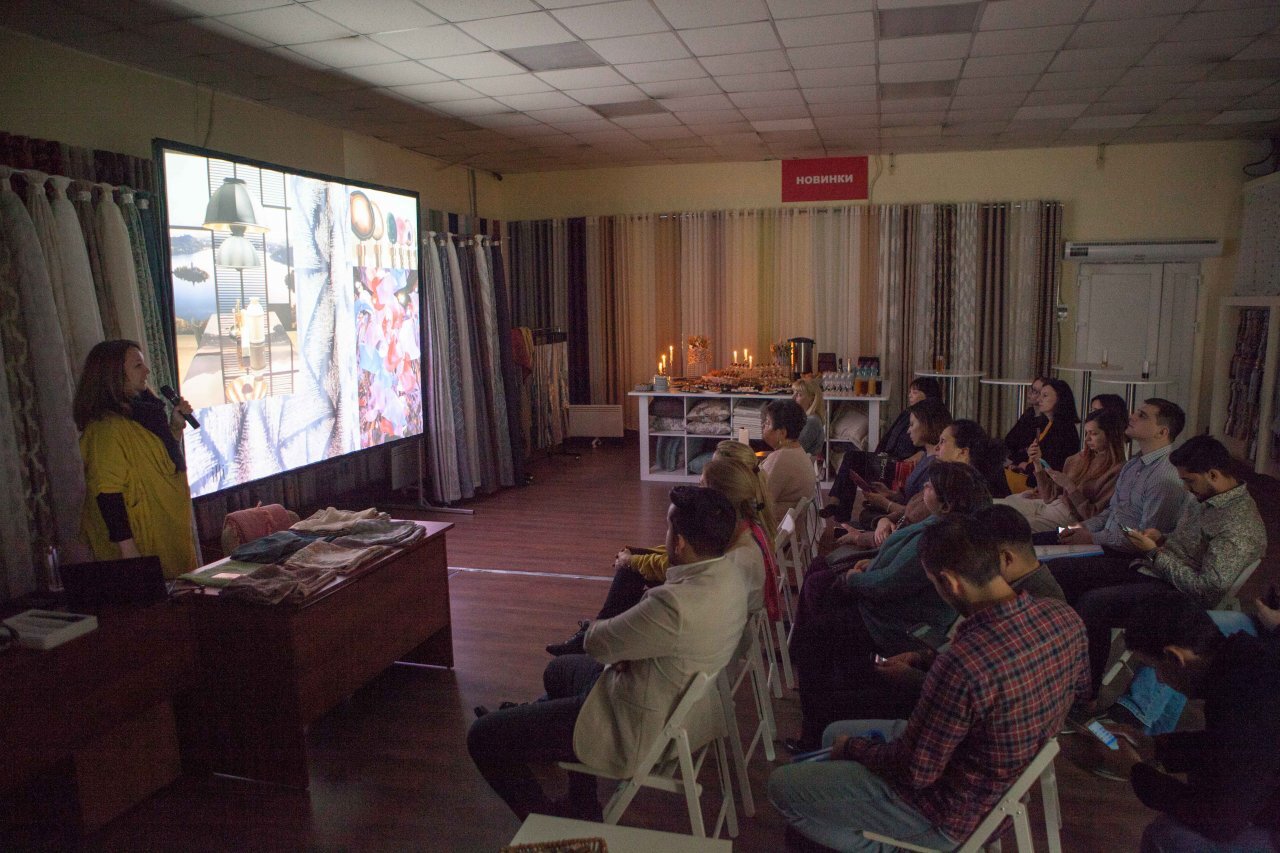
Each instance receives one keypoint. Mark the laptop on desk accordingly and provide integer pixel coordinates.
(91, 587)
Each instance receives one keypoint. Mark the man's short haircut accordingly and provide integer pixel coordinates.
(933, 415)
(955, 543)
(1168, 415)
(1170, 619)
(786, 415)
(705, 518)
(1005, 527)
(1202, 454)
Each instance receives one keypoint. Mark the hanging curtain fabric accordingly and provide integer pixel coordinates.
(442, 449)
(153, 319)
(549, 389)
(50, 443)
(577, 318)
(46, 229)
(511, 378)
(498, 436)
(466, 370)
(84, 321)
(118, 269)
(152, 237)
(17, 566)
(88, 217)
(602, 331)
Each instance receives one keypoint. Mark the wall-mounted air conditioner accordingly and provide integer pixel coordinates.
(1142, 251)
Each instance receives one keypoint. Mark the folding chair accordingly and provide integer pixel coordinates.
(785, 548)
(1230, 601)
(677, 775)
(1012, 805)
(750, 666)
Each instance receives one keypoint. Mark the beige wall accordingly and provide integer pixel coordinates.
(51, 92)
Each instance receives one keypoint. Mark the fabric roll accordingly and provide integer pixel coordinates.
(153, 237)
(464, 374)
(462, 460)
(119, 273)
(84, 321)
(54, 441)
(501, 444)
(511, 372)
(47, 232)
(145, 289)
(473, 371)
(16, 534)
(442, 455)
(88, 217)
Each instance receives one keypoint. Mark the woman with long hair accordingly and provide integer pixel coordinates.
(928, 419)
(1083, 488)
(137, 501)
(807, 392)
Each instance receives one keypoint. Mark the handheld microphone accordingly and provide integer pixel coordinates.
(172, 396)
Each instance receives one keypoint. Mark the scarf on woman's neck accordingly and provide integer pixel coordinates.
(148, 410)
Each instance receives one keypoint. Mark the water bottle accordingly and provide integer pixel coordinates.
(52, 570)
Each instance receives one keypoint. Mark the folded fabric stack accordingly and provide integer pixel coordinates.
(657, 424)
(709, 417)
(667, 407)
(378, 531)
(274, 584)
(329, 556)
(330, 520)
(273, 548)
(849, 423)
(747, 414)
(669, 455)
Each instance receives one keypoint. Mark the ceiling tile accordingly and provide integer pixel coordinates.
(470, 10)
(840, 94)
(994, 42)
(1112, 121)
(347, 52)
(925, 19)
(1094, 58)
(681, 88)
(891, 106)
(833, 56)
(827, 29)
(662, 132)
(397, 74)
(501, 121)
(711, 13)
(650, 48)
(985, 102)
(607, 20)
(650, 120)
(985, 114)
(236, 39)
(766, 113)
(1015, 14)
(538, 101)
(1194, 52)
(470, 107)
(555, 57)
(583, 78)
(224, 7)
(746, 63)
(537, 28)
(912, 119)
(736, 38)
(809, 8)
(924, 48)
(846, 123)
(286, 25)
(1150, 91)
(1155, 74)
(1109, 108)
(972, 128)
(783, 124)
(987, 85)
(657, 72)
(565, 115)
(1080, 79)
(699, 102)
(845, 107)
(1243, 116)
(861, 75)
(1110, 10)
(488, 64)
(1267, 47)
(710, 118)
(1049, 111)
(1189, 105)
(607, 94)
(511, 84)
(383, 16)
(1226, 89)
(429, 42)
(896, 132)
(1226, 24)
(777, 98)
(1114, 33)
(1247, 69)
(757, 82)
(1007, 65)
(1261, 101)
(917, 90)
(431, 92)
(1049, 97)
(910, 72)
(1162, 119)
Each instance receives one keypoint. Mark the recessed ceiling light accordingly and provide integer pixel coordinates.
(920, 89)
(555, 57)
(629, 108)
(927, 20)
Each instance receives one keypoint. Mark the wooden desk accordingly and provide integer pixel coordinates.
(267, 672)
(93, 720)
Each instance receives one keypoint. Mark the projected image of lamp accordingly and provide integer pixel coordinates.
(255, 334)
(231, 209)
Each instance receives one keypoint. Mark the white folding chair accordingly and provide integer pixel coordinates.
(807, 534)
(1230, 601)
(748, 666)
(785, 549)
(1012, 805)
(679, 774)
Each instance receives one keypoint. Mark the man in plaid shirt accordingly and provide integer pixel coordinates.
(989, 703)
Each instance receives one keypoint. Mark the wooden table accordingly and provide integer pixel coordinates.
(267, 672)
(620, 839)
(92, 721)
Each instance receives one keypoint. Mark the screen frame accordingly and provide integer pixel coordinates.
(159, 146)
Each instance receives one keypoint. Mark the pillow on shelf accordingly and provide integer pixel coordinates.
(657, 424)
(709, 410)
(849, 423)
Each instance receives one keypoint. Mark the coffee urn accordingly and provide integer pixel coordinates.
(801, 360)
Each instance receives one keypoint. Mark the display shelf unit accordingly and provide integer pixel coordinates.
(1228, 322)
(648, 438)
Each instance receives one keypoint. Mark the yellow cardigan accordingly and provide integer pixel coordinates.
(120, 455)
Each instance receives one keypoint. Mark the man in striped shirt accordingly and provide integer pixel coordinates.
(988, 705)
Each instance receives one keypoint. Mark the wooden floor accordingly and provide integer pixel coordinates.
(389, 768)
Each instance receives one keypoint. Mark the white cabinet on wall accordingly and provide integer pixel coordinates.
(673, 433)
(1244, 388)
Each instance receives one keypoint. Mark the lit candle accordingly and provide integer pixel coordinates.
(671, 354)
(662, 364)
(751, 361)
(746, 355)
(735, 356)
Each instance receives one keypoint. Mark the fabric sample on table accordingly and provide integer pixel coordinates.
(327, 556)
(272, 548)
(274, 584)
(331, 520)
(221, 574)
(381, 532)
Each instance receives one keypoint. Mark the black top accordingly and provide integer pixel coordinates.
(1062, 441)
(895, 440)
(1023, 433)
(1233, 764)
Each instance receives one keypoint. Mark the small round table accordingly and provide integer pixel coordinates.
(1086, 372)
(1131, 387)
(1014, 403)
(953, 378)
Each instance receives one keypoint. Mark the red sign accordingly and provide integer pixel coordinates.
(824, 179)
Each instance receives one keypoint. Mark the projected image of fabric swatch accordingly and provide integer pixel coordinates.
(388, 354)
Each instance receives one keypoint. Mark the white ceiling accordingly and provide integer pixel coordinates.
(680, 81)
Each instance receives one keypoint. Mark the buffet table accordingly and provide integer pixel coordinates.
(648, 471)
(266, 672)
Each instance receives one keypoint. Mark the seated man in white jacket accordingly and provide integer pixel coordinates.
(607, 707)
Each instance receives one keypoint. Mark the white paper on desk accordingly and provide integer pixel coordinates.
(1057, 552)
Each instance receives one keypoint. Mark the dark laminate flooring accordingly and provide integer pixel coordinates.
(389, 768)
